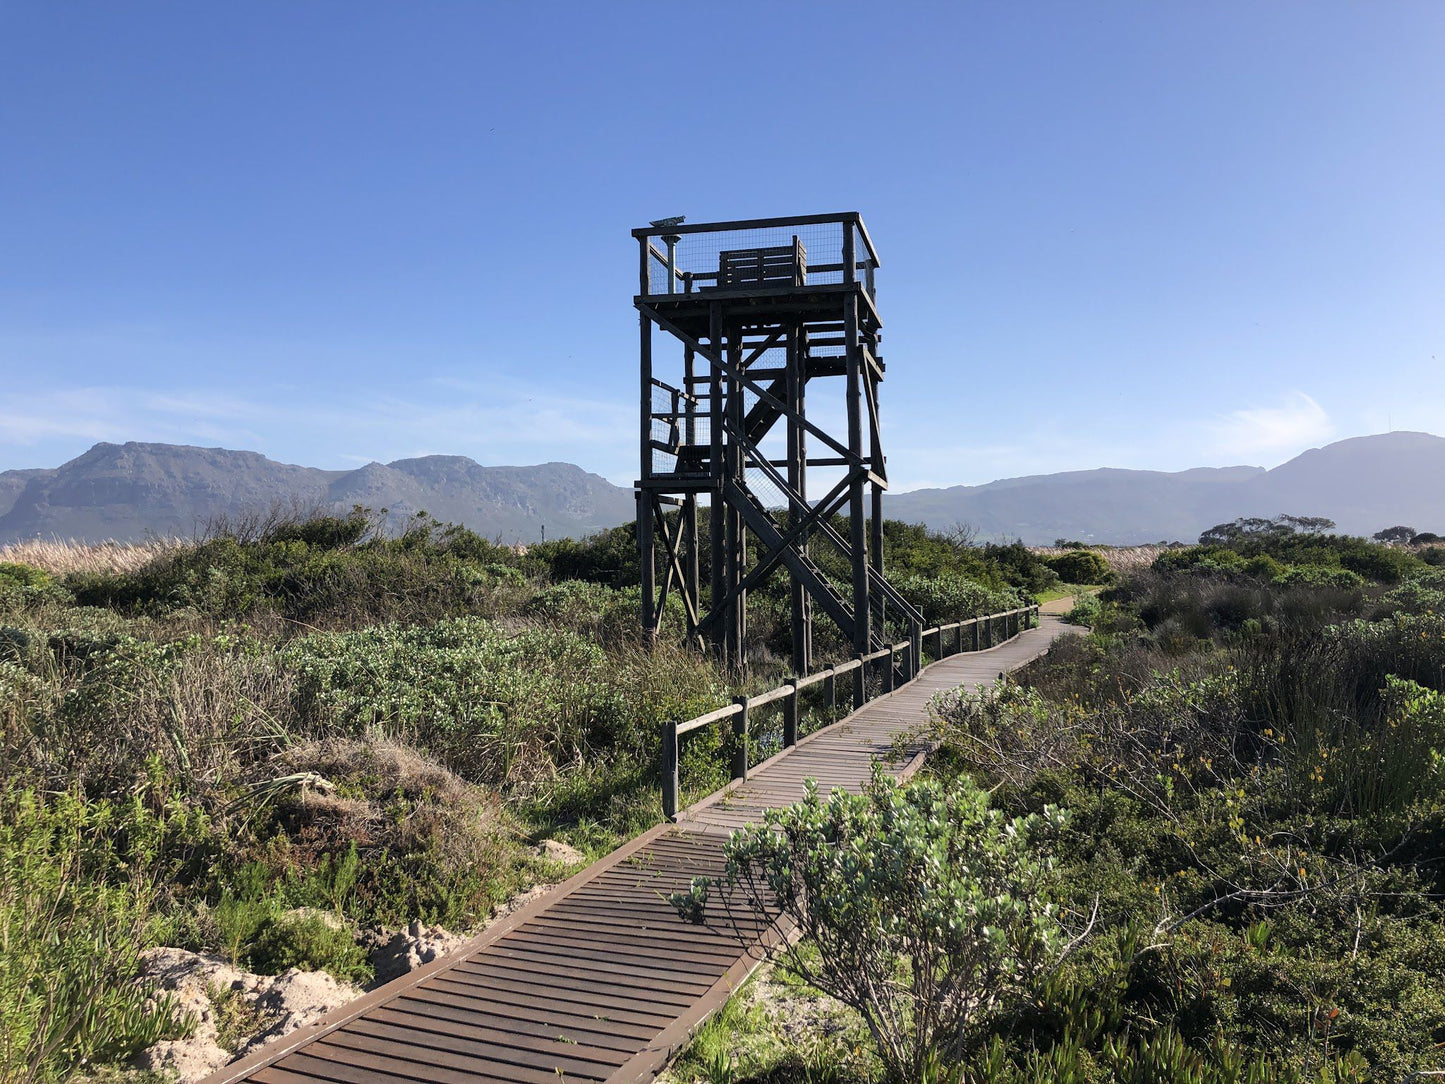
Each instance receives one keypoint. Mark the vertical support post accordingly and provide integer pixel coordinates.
(861, 618)
(888, 671)
(802, 618)
(832, 683)
(740, 739)
(860, 679)
(669, 769)
(736, 532)
(790, 714)
(875, 547)
(691, 567)
(645, 542)
(974, 635)
(716, 468)
(645, 546)
(915, 654)
(672, 239)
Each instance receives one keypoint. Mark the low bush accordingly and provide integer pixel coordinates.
(922, 906)
(945, 599)
(1081, 566)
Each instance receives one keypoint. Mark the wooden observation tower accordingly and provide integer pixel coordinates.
(777, 330)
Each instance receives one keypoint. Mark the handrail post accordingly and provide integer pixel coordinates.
(669, 769)
(832, 684)
(915, 644)
(888, 672)
(860, 684)
(740, 739)
(958, 639)
(790, 714)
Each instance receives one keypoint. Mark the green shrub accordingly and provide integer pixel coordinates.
(311, 943)
(1263, 566)
(925, 907)
(1080, 566)
(1313, 576)
(1261, 807)
(954, 598)
(1085, 611)
(17, 575)
(72, 923)
(1380, 564)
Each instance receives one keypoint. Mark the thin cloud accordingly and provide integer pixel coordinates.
(1297, 423)
(512, 424)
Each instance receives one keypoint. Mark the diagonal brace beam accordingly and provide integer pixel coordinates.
(742, 378)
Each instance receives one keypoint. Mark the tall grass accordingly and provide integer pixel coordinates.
(63, 558)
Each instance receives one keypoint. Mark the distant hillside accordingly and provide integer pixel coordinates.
(1363, 484)
(128, 491)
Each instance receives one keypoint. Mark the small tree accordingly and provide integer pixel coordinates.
(1398, 534)
(925, 905)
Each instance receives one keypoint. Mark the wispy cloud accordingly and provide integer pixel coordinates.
(1296, 423)
(502, 422)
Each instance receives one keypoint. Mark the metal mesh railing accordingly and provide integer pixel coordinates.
(739, 258)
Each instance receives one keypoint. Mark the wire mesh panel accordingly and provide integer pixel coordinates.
(801, 254)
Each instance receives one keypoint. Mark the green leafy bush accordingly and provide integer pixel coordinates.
(925, 907)
(1080, 566)
(954, 598)
(1086, 610)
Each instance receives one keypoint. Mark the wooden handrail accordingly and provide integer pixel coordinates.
(741, 707)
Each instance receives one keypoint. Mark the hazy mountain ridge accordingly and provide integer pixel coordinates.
(1363, 484)
(127, 491)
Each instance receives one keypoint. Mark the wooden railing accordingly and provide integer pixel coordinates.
(983, 633)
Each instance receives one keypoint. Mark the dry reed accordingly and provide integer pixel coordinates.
(61, 558)
(1121, 559)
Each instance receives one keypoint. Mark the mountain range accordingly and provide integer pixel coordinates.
(1363, 484)
(127, 491)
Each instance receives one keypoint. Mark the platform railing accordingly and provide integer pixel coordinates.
(983, 632)
(680, 259)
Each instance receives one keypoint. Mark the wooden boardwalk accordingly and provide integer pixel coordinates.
(598, 979)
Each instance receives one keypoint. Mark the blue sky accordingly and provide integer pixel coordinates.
(1129, 234)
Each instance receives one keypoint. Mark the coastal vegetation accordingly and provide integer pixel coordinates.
(1242, 768)
(274, 742)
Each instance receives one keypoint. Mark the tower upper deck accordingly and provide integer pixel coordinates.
(766, 265)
